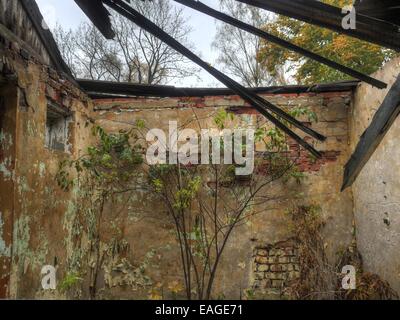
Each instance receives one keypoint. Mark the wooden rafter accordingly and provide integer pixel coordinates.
(310, 11)
(386, 10)
(99, 15)
(196, 5)
(372, 137)
(267, 109)
(315, 12)
(109, 89)
(46, 37)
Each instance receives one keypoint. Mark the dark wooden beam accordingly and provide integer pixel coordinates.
(315, 12)
(99, 15)
(283, 43)
(387, 10)
(108, 89)
(372, 137)
(47, 38)
(267, 109)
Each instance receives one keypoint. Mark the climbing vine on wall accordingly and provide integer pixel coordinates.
(321, 278)
(206, 203)
(107, 171)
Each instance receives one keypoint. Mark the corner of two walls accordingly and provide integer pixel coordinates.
(240, 267)
(376, 191)
(34, 210)
(42, 212)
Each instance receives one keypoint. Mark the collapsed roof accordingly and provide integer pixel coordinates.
(377, 22)
(385, 10)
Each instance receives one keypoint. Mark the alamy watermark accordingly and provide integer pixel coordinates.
(349, 21)
(349, 277)
(49, 280)
(187, 147)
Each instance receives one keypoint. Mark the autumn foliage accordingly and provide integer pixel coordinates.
(359, 55)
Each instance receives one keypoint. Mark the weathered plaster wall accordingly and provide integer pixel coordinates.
(377, 189)
(34, 211)
(8, 108)
(38, 217)
(150, 228)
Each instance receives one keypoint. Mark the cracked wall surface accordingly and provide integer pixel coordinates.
(152, 227)
(32, 205)
(39, 222)
(377, 189)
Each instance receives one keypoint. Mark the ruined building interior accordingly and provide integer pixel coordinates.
(47, 117)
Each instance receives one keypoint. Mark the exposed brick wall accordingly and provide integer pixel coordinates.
(377, 189)
(323, 177)
(40, 212)
(275, 266)
(307, 163)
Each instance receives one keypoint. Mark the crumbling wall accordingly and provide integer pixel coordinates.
(148, 227)
(38, 217)
(34, 211)
(8, 107)
(275, 268)
(377, 189)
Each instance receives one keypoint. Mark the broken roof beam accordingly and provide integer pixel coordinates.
(283, 43)
(108, 89)
(315, 12)
(261, 105)
(387, 10)
(99, 15)
(372, 137)
(46, 37)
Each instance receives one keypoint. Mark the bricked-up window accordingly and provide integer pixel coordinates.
(275, 268)
(57, 127)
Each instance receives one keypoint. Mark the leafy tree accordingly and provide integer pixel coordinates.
(359, 55)
(205, 203)
(97, 178)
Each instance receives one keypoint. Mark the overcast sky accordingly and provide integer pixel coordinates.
(68, 14)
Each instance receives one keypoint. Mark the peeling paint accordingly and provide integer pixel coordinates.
(21, 241)
(32, 128)
(23, 186)
(6, 140)
(7, 174)
(42, 169)
(74, 254)
(22, 250)
(5, 250)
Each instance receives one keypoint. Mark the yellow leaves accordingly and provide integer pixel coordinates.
(158, 185)
(175, 287)
(340, 42)
(154, 295)
(359, 55)
(156, 292)
(338, 3)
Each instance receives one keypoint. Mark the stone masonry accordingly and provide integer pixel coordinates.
(275, 267)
